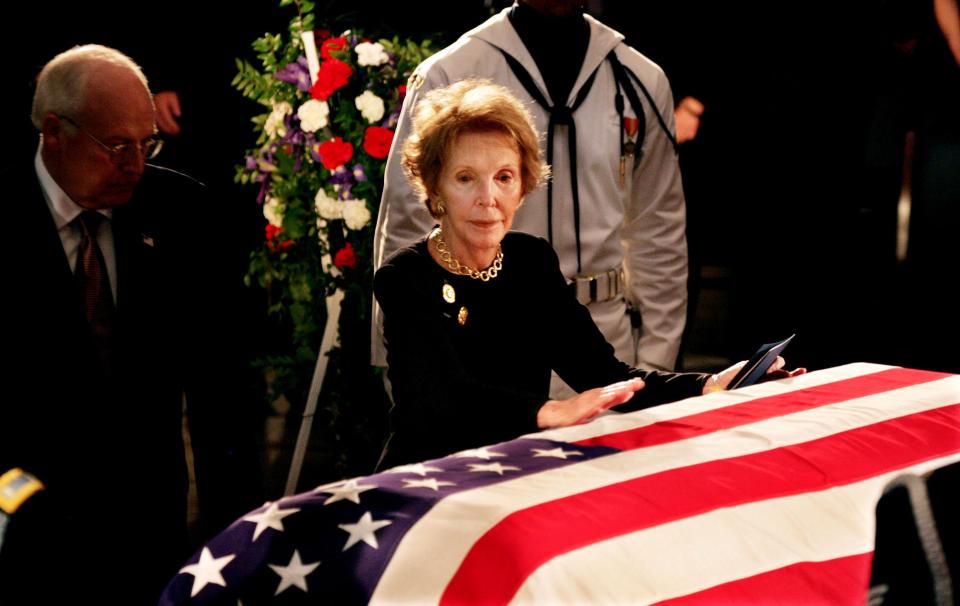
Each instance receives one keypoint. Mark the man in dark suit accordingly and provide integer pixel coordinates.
(114, 317)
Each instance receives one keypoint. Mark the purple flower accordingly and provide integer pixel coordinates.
(342, 181)
(341, 176)
(294, 135)
(392, 119)
(251, 163)
(295, 73)
(358, 173)
(263, 192)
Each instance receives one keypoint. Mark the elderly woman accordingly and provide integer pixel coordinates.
(476, 316)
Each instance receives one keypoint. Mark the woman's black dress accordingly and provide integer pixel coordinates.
(470, 361)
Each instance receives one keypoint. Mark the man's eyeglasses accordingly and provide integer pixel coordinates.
(149, 147)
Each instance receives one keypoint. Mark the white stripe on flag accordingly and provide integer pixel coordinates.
(433, 549)
(718, 547)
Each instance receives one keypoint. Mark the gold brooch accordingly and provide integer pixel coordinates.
(449, 294)
(462, 316)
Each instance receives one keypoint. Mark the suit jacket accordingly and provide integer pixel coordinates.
(110, 449)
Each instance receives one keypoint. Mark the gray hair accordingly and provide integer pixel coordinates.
(62, 84)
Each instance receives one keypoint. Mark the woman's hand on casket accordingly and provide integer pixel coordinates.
(585, 406)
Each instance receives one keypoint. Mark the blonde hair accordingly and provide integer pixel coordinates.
(62, 84)
(467, 106)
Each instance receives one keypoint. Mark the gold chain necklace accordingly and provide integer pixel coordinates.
(464, 270)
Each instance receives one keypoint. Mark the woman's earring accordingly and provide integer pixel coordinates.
(441, 208)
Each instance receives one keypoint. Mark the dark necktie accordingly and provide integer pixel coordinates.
(91, 272)
(559, 115)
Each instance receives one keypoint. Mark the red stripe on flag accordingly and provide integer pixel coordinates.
(500, 561)
(840, 581)
(763, 408)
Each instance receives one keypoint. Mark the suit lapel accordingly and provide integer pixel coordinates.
(44, 258)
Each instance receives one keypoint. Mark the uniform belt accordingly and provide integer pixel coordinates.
(597, 288)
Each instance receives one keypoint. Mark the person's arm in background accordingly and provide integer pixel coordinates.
(947, 13)
(167, 103)
(687, 115)
(653, 235)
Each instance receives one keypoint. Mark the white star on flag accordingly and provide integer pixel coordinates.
(364, 531)
(207, 570)
(427, 483)
(559, 453)
(293, 574)
(272, 517)
(417, 468)
(349, 491)
(495, 467)
(479, 453)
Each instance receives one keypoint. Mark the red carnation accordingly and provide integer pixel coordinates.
(332, 45)
(377, 140)
(335, 152)
(345, 257)
(273, 232)
(332, 76)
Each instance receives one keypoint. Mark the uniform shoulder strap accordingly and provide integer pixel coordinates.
(625, 78)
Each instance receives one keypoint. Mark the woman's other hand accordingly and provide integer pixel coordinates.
(585, 406)
(722, 379)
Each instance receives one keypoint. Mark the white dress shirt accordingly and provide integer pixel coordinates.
(65, 212)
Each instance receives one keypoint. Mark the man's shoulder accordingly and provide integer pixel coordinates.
(467, 56)
(163, 191)
(167, 179)
(170, 204)
(641, 65)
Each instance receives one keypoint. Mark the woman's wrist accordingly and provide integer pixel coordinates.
(712, 384)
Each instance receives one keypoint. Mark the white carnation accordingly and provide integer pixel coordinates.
(322, 233)
(274, 124)
(313, 115)
(370, 105)
(356, 214)
(273, 210)
(371, 53)
(327, 207)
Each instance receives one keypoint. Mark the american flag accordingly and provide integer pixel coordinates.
(730, 497)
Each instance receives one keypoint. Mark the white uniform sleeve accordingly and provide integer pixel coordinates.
(654, 240)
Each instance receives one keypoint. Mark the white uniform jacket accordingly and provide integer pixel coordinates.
(638, 226)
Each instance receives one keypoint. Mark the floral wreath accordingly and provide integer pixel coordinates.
(331, 106)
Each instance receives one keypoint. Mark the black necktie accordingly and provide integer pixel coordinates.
(91, 272)
(559, 115)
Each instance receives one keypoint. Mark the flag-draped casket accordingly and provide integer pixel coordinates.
(730, 497)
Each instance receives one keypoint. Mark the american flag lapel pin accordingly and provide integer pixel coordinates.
(148, 240)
